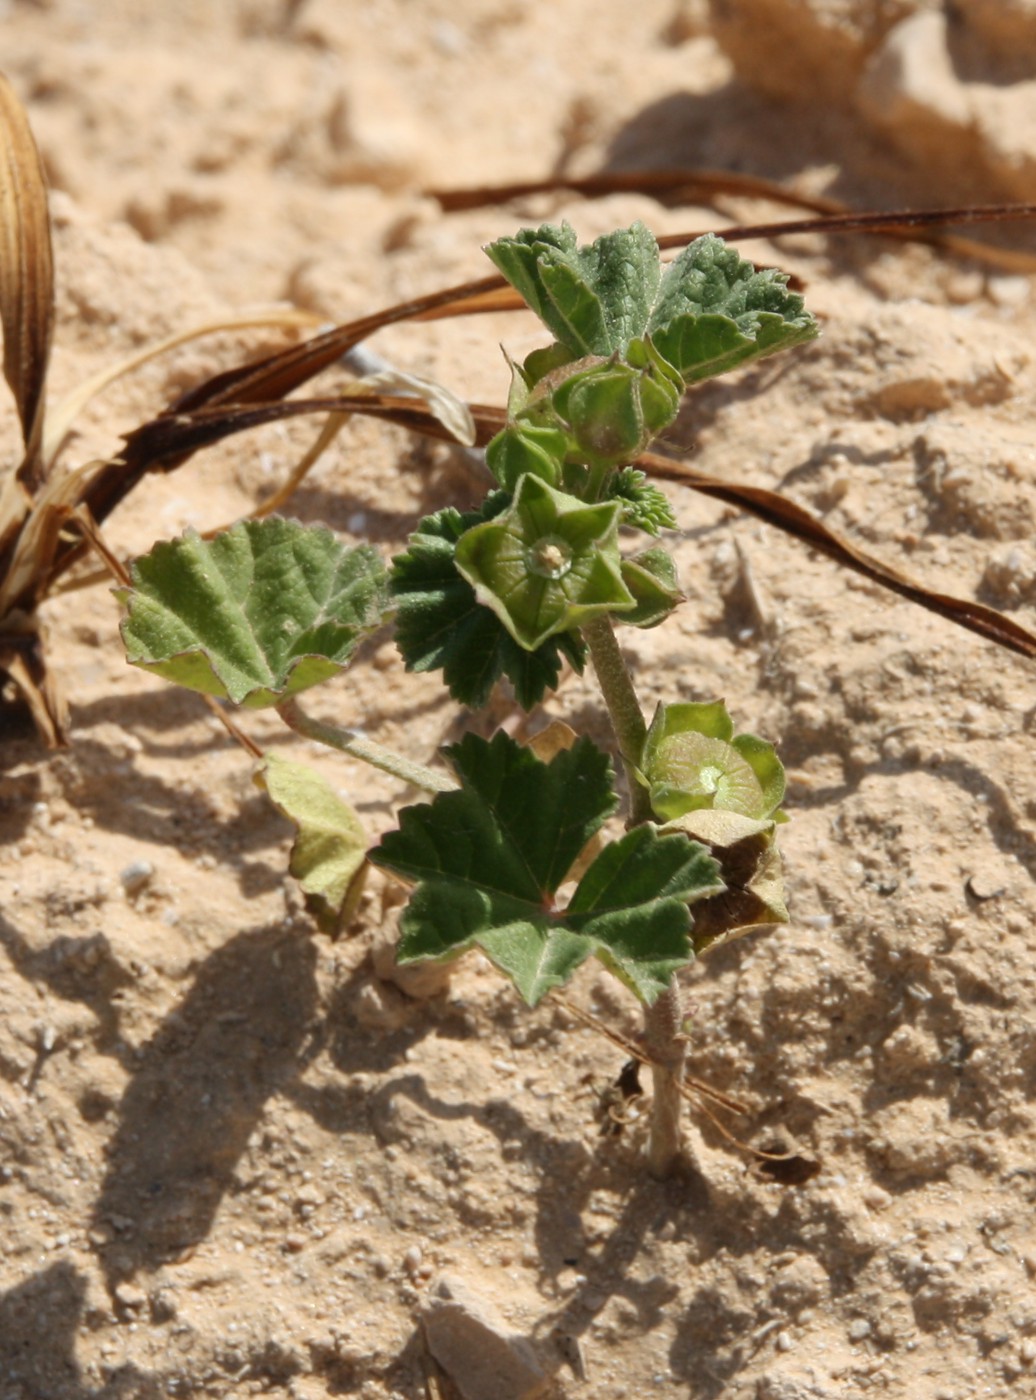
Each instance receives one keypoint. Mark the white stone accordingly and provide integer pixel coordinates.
(477, 1349)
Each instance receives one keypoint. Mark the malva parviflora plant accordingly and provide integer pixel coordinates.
(532, 576)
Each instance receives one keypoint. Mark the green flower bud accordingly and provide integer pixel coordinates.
(651, 578)
(522, 449)
(614, 409)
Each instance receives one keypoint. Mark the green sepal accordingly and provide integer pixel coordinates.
(263, 611)
(692, 760)
(523, 449)
(545, 564)
(537, 366)
(487, 861)
(651, 578)
(613, 409)
(441, 624)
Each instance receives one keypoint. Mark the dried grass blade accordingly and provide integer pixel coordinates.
(26, 277)
(676, 185)
(39, 689)
(168, 438)
(909, 225)
(279, 374)
(61, 418)
(166, 441)
(37, 556)
(691, 1088)
(666, 184)
(784, 515)
(794, 520)
(333, 425)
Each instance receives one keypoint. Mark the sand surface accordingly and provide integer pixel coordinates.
(233, 1159)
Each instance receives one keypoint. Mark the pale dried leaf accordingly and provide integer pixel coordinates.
(451, 412)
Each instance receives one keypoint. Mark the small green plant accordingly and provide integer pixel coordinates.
(530, 578)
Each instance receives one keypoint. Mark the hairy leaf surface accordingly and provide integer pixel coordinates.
(263, 611)
(487, 861)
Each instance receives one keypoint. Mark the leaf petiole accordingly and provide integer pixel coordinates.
(359, 746)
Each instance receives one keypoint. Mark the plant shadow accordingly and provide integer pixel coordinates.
(199, 1089)
(727, 128)
(39, 1319)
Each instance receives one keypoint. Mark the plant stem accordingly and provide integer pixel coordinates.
(348, 741)
(663, 1022)
(623, 708)
(666, 1044)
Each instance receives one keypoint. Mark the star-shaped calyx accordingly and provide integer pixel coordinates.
(547, 564)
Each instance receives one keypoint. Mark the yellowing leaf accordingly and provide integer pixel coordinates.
(329, 857)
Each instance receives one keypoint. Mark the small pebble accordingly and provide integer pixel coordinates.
(136, 876)
(130, 1297)
(859, 1329)
(1009, 291)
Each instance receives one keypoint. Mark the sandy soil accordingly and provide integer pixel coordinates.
(232, 1159)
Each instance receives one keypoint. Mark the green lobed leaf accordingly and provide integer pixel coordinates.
(487, 861)
(329, 857)
(633, 902)
(715, 310)
(488, 857)
(595, 299)
(441, 624)
(708, 311)
(521, 819)
(263, 611)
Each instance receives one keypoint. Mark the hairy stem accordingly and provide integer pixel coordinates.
(663, 1022)
(348, 741)
(665, 1043)
(623, 708)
